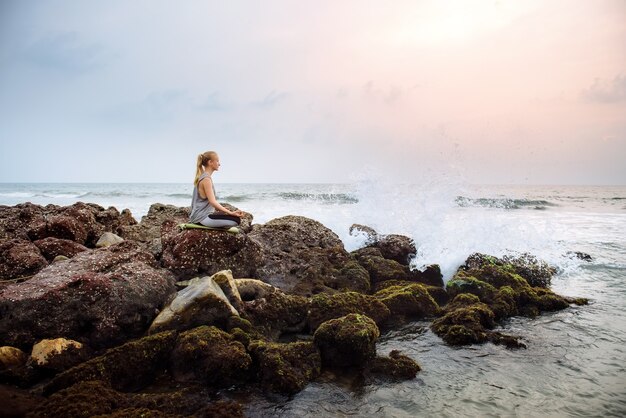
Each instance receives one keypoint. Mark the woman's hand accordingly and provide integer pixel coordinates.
(238, 213)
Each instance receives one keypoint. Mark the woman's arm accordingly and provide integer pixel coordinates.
(207, 186)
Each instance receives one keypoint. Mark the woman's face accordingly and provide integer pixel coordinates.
(214, 163)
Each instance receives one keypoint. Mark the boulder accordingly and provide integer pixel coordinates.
(194, 252)
(53, 247)
(100, 297)
(371, 236)
(302, 256)
(397, 247)
(129, 367)
(347, 341)
(396, 366)
(286, 368)
(270, 310)
(209, 355)
(410, 301)
(107, 239)
(19, 258)
(150, 226)
(326, 306)
(58, 354)
(202, 302)
(11, 357)
(381, 269)
(226, 282)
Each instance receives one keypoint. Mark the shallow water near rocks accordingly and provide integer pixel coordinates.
(575, 363)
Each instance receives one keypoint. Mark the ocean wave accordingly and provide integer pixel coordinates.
(319, 197)
(504, 203)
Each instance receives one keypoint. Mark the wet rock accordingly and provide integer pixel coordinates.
(107, 239)
(536, 272)
(100, 297)
(210, 355)
(397, 247)
(270, 310)
(347, 341)
(59, 258)
(580, 255)
(58, 354)
(202, 302)
(128, 367)
(302, 256)
(438, 294)
(430, 276)
(371, 236)
(286, 368)
(226, 282)
(19, 258)
(325, 306)
(17, 403)
(411, 301)
(196, 252)
(381, 269)
(396, 366)
(53, 247)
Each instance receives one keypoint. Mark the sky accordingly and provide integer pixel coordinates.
(494, 92)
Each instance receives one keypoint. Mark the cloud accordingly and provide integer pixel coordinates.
(212, 103)
(65, 52)
(606, 91)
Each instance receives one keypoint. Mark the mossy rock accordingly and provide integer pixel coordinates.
(355, 275)
(276, 313)
(381, 269)
(463, 282)
(128, 367)
(412, 300)
(326, 306)
(84, 399)
(396, 366)
(347, 341)
(210, 355)
(286, 368)
(464, 324)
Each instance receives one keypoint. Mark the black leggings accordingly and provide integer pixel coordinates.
(220, 220)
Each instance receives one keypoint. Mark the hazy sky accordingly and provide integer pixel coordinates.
(290, 91)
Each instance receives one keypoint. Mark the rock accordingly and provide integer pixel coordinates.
(371, 236)
(128, 367)
(19, 258)
(302, 256)
(58, 354)
(396, 366)
(438, 294)
(107, 239)
(286, 368)
(347, 341)
(270, 310)
(330, 306)
(150, 226)
(17, 403)
(211, 356)
(100, 297)
(381, 269)
(59, 258)
(80, 222)
(225, 281)
(53, 247)
(411, 301)
(196, 252)
(537, 273)
(430, 276)
(580, 255)
(11, 357)
(202, 302)
(397, 247)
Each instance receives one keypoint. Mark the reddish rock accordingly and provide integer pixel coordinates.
(397, 247)
(197, 252)
(19, 258)
(302, 256)
(150, 226)
(101, 297)
(51, 247)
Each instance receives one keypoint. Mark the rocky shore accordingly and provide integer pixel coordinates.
(103, 316)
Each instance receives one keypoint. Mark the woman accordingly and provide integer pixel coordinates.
(205, 209)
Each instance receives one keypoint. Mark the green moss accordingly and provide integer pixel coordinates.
(412, 300)
(354, 277)
(210, 355)
(127, 367)
(325, 306)
(463, 282)
(277, 313)
(396, 367)
(347, 341)
(285, 368)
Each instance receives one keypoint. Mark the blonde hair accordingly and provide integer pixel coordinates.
(203, 160)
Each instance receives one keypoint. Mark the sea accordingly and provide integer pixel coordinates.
(575, 363)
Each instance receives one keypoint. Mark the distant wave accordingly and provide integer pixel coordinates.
(504, 203)
(319, 197)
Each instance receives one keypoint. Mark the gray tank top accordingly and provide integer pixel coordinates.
(200, 208)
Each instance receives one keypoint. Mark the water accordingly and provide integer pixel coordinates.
(575, 364)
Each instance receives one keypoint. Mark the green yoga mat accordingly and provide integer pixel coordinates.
(231, 230)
